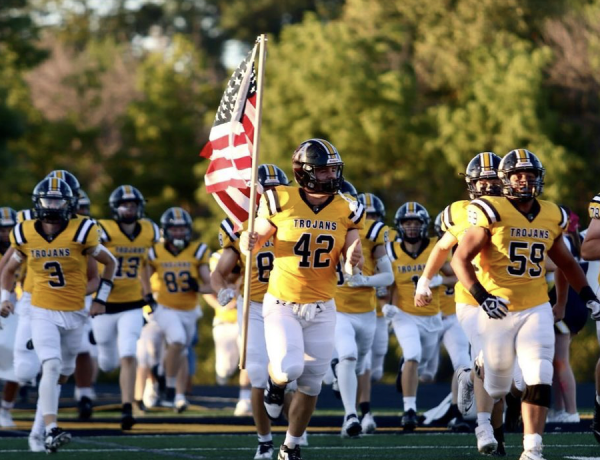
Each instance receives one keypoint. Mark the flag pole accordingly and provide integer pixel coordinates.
(262, 52)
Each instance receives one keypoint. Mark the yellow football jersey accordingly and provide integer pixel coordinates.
(131, 254)
(513, 265)
(263, 260)
(393, 235)
(447, 302)
(308, 242)
(56, 266)
(222, 314)
(362, 299)
(175, 272)
(407, 270)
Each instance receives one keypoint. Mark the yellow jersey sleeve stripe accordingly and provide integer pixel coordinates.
(156, 237)
(488, 210)
(374, 231)
(227, 227)
(200, 251)
(19, 237)
(104, 236)
(151, 254)
(391, 252)
(355, 216)
(273, 202)
(83, 231)
(447, 221)
(596, 199)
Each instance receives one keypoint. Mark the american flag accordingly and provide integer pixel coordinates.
(230, 144)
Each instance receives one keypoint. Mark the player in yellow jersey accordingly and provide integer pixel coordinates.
(373, 367)
(8, 329)
(416, 328)
(182, 268)
(84, 365)
(128, 237)
(312, 227)
(590, 250)
(356, 317)
(56, 247)
(257, 361)
(481, 177)
(514, 235)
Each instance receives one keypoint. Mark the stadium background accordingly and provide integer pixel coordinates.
(125, 91)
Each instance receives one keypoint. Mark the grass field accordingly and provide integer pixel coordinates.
(447, 446)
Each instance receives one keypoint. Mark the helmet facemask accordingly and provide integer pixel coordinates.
(412, 230)
(311, 181)
(53, 210)
(178, 235)
(523, 190)
(127, 213)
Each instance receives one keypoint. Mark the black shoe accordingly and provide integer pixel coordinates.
(458, 425)
(500, 450)
(139, 406)
(264, 450)
(512, 417)
(55, 439)
(286, 453)
(85, 408)
(127, 420)
(334, 385)
(409, 420)
(596, 421)
(273, 402)
(399, 376)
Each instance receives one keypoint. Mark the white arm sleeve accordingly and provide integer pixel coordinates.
(384, 276)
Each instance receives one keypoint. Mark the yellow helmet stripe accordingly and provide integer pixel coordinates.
(5, 213)
(411, 207)
(59, 174)
(127, 190)
(271, 171)
(330, 148)
(54, 183)
(177, 212)
(523, 155)
(368, 201)
(486, 160)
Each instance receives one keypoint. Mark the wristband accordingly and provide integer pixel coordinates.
(479, 292)
(4, 295)
(103, 291)
(586, 294)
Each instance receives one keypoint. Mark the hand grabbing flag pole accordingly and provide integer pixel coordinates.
(262, 55)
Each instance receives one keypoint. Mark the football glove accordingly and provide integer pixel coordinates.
(389, 311)
(495, 307)
(225, 296)
(423, 287)
(307, 311)
(357, 280)
(594, 307)
(381, 292)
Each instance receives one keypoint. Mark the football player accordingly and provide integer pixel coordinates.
(515, 234)
(590, 250)
(84, 365)
(416, 328)
(356, 319)
(481, 177)
(374, 360)
(128, 237)
(311, 227)
(233, 259)
(8, 219)
(56, 247)
(182, 268)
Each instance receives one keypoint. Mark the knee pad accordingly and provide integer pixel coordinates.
(107, 363)
(538, 372)
(26, 370)
(310, 384)
(290, 373)
(538, 395)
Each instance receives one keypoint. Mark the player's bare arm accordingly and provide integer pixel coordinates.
(475, 239)
(204, 276)
(92, 276)
(435, 262)
(590, 249)
(103, 256)
(7, 281)
(353, 249)
(562, 292)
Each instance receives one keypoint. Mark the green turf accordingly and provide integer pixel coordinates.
(380, 446)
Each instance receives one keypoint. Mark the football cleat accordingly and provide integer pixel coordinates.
(368, 423)
(85, 408)
(36, 443)
(565, 417)
(127, 420)
(264, 450)
(6, 420)
(243, 408)
(273, 400)
(458, 425)
(512, 417)
(465, 396)
(352, 427)
(409, 420)
(596, 421)
(285, 453)
(181, 404)
(486, 442)
(56, 439)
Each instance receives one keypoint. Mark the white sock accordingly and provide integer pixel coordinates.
(84, 392)
(6, 405)
(348, 384)
(532, 441)
(37, 429)
(245, 393)
(291, 441)
(171, 382)
(484, 418)
(265, 437)
(410, 402)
